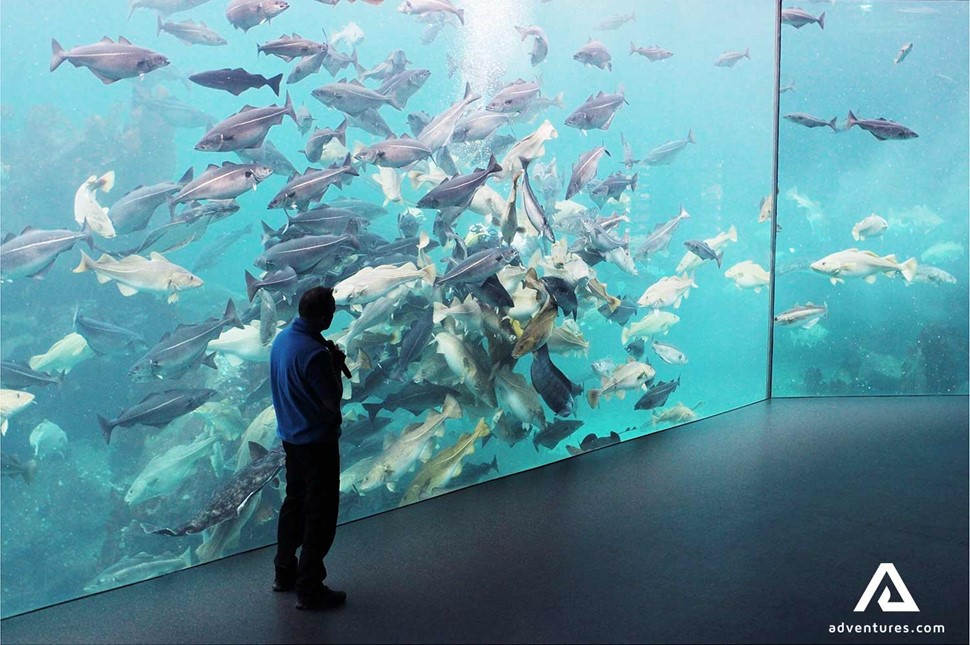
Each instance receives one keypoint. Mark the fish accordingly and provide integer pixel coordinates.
(312, 185)
(680, 413)
(63, 356)
(413, 342)
(632, 375)
(134, 273)
(108, 60)
(247, 344)
(667, 152)
(106, 338)
(540, 44)
(350, 34)
(268, 156)
(405, 84)
(190, 33)
(668, 291)
(370, 283)
(306, 67)
(531, 147)
(622, 314)
(412, 445)
(669, 354)
(657, 395)
(15, 375)
(853, 263)
(584, 170)
(556, 432)
(514, 97)
(12, 402)
(457, 192)
(655, 323)
(246, 14)
(245, 129)
(394, 152)
(183, 349)
(592, 442)
(236, 80)
(416, 398)
(439, 130)
(87, 211)
(810, 121)
(943, 252)
(290, 47)
(731, 58)
(690, 261)
(47, 438)
(652, 53)
(766, 209)
(927, 274)
(881, 129)
(424, 7)
(597, 112)
(803, 316)
(748, 275)
(164, 7)
(612, 187)
(467, 364)
(594, 54)
(871, 226)
(615, 21)
(703, 250)
(568, 339)
(798, 18)
(156, 410)
(320, 137)
(34, 251)
(478, 267)
(281, 280)
(553, 386)
(537, 331)
(659, 239)
(142, 566)
(133, 211)
(305, 254)
(441, 469)
(903, 53)
(11, 466)
(166, 471)
(351, 97)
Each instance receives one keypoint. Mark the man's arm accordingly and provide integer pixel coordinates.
(325, 383)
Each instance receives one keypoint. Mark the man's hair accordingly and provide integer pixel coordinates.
(317, 303)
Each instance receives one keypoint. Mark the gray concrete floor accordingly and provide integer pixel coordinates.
(761, 525)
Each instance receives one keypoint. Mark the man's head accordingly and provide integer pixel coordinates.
(317, 307)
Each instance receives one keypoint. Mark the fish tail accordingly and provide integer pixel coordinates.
(832, 125)
(341, 133)
(372, 410)
(158, 25)
(717, 258)
(850, 121)
(288, 107)
(274, 83)
(633, 48)
(747, 53)
(821, 20)
(908, 269)
(593, 396)
(461, 16)
(59, 55)
(522, 32)
(106, 429)
(690, 136)
(633, 181)
(429, 274)
(230, 316)
(250, 288)
(85, 264)
(494, 464)
(106, 182)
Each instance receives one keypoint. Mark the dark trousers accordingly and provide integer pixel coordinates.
(308, 517)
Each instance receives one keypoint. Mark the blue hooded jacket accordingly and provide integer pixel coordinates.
(306, 386)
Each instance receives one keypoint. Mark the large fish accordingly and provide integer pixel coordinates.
(478, 267)
(798, 18)
(290, 47)
(304, 254)
(63, 356)
(458, 191)
(517, 96)
(413, 342)
(87, 211)
(654, 323)
(405, 84)
(12, 402)
(281, 280)
(438, 132)
(105, 338)
(108, 60)
(319, 139)
(594, 54)
(351, 97)
(236, 81)
(135, 273)
(478, 126)
(597, 112)
(584, 170)
(33, 252)
(667, 152)
(657, 395)
(652, 53)
(245, 129)
(228, 181)
(312, 185)
(881, 129)
(270, 156)
(440, 470)
(190, 33)
(550, 436)
(164, 8)
(533, 209)
(156, 410)
(134, 209)
(245, 14)
(731, 58)
(853, 263)
(14, 375)
(370, 283)
(553, 386)
(142, 566)
(166, 471)
(394, 152)
(540, 46)
(659, 239)
(518, 398)
(425, 7)
(629, 376)
(183, 349)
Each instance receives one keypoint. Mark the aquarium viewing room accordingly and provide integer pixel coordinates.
(485, 321)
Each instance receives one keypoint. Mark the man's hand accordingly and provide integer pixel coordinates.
(338, 357)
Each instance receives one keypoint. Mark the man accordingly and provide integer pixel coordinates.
(305, 380)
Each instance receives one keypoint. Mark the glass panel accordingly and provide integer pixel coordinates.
(893, 319)
(79, 513)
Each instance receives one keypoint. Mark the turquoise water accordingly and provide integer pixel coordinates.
(70, 531)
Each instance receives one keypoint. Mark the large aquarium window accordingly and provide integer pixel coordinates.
(871, 294)
(544, 223)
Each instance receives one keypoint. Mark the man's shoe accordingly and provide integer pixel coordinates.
(282, 584)
(324, 598)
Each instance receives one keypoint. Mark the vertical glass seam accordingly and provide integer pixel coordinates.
(774, 207)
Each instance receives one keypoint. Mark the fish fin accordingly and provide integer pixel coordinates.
(593, 396)
(58, 54)
(104, 79)
(209, 361)
(106, 428)
(123, 288)
(870, 279)
(123, 41)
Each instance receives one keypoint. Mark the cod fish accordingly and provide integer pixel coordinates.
(632, 375)
(653, 324)
(537, 332)
(592, 442)
(552, 385)
(245, 129)
(156, 410)
(108, 60)
(798, 18)
(190, 33)
(667, 152)
(87, 211)
(871, 226)
(135, 273)
(425, 7)
(584, 170)
(183, 349)
(597, 112)
(657, 395)
(165, 472)
(439, 130)
(414, 444)
(748, 275)
(20, 375)
(142, 566)
(134, 209)
(652, 53)
(164, 8)
(810, 121)
(731, 58)
(540, 46)
(63, 356)
(12, 402)
(246, 14)
(230, 497)
(853, 263)
(550, 436)
(520, 400)
(236, 80)
(881, 129)
(370, 283)
(594, 54)
(33, 252)
(805, 316)
(441, 469)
